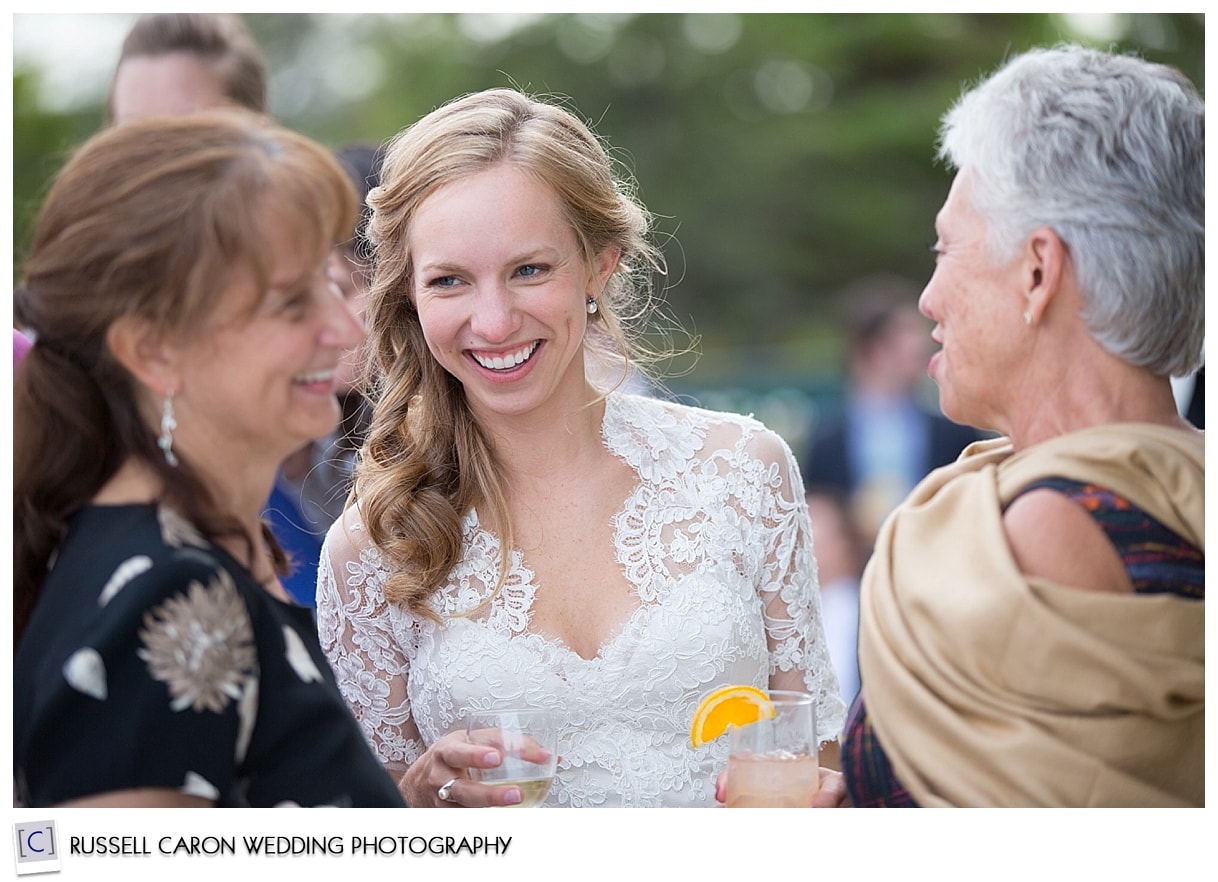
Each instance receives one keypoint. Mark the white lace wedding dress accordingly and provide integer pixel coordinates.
(717, 541)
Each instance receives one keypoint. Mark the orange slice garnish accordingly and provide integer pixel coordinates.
(728, 706)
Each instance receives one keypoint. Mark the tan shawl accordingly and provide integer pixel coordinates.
(987, 687)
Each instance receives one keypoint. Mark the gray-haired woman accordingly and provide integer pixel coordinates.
(1032, 623)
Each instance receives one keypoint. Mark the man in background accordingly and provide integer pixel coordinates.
(886, 437)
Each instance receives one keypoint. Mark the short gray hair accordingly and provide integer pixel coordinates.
(1107, 150)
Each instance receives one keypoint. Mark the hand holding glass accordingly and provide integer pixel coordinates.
(773, 762)
(527, 740)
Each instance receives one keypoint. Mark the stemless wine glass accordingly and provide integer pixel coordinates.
(773, 763)
(527, 739)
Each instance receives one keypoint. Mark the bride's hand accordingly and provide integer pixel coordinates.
(443, 771)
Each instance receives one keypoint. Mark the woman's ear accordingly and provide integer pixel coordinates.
(144, 352)
(603, 266)
(1047, 265)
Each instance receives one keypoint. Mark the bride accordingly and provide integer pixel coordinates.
(524, 532)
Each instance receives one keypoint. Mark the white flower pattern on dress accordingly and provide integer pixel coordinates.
(85, 671)
(196, 785)
(298, 656)
(176, 531)
(247, 716)
(127, 570)
(716, 540)
(201, 645)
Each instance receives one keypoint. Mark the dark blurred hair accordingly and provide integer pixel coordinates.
(869, 307)
(362, 162)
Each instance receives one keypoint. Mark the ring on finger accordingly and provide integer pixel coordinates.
(446, 790)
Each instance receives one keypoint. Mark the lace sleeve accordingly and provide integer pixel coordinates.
(356, 628)
(799, 651)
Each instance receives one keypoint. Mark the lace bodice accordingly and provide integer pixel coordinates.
(716, 540)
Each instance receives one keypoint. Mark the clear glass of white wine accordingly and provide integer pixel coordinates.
(527, 740)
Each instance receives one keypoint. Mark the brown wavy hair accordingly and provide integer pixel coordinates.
(154, 220)
(426, 462)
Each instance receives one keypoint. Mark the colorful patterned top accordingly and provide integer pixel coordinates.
(1158, 562)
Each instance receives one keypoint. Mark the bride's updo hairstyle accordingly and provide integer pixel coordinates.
(426, 463)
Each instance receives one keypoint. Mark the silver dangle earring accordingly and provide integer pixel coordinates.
(168, 424)
(592, 307)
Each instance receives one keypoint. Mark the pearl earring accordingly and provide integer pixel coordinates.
(592, 307)
(1027, 317)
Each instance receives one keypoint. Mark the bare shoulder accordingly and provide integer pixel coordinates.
(1052, 537)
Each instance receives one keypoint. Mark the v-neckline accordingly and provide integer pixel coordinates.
(528, 586)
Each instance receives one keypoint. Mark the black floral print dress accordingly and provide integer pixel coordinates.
(153, 659)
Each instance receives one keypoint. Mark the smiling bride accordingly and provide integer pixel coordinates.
(524, 532)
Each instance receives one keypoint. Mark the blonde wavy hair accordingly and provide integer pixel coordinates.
(426, 462)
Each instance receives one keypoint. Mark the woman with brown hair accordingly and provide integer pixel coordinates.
(186, 339)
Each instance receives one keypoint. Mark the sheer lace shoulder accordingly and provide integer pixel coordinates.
(715, 539)
(762, 488)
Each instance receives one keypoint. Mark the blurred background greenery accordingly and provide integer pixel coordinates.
(785, 155)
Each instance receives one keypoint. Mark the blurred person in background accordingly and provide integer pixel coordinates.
(172, 64)
(176, 63)
(351, 268)
(180, 62)
(1032, 621)
(519, 534)
(187, 338)
(886, 437)
(841, 554)
(313, 482)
